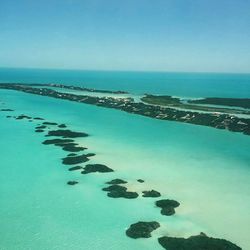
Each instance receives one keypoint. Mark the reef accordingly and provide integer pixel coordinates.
(212, 117)
(151, 193)
(20, 117)
(41, 127)
(199, 242)
(72, 148)
(72, 183)
(66, 144)
(38, 118)
(72, 154)
(123, 194)
(91, 168)
(57, 141)
(66, 133)
(71, 160)
(7, 110)
(117, 191)
(115, 187)
(39, 130)
(62, 126)
(49, 123)
(167, 206)
(116, 181)
(75, 168)
(142, 229)
(140, 180)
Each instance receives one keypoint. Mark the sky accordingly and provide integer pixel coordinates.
(147, 35)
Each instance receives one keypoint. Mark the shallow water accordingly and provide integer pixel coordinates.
(82, 92)
(205, 169)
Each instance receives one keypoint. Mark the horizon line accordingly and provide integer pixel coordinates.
(128, 70)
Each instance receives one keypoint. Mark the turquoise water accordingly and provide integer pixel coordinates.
(205, 169)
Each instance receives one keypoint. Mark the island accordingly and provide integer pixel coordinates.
(197, 242)
(235, 102)
(71, 87)
(213, 119)
(188, 104)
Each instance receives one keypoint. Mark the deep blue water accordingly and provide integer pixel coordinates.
(179, 84)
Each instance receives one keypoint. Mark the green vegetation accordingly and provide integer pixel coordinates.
(164, 100)
(236, 102)
(177, 110)
(175, 102)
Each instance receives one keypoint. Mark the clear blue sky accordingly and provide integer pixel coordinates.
(161, 35)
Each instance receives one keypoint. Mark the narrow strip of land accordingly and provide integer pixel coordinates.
(175, 102)
(236, 102)
(55, 85)
(215, 120)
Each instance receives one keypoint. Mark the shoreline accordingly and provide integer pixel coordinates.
(192, 105)
(215, 120)
(77, 88)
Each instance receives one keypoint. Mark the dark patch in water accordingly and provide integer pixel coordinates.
(91, 168)
(116, 181)
(115, 187)
(20, 117)
(49, 123)
(75, 159)
(73, 148)
(142, 229)
(72, 183)
(151, 193)
(66, 133)
(72, 154)
(38, 118)
(62, 126)
(198, 242)
(75, 168)
(7, 110)
(167, 206)
(57, 141)
(41, 127)
(39, 130)
(117, 191)
(140, 180)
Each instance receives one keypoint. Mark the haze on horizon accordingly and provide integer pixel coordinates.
(163, 35)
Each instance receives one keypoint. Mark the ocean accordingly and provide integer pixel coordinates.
(207, 170)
